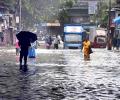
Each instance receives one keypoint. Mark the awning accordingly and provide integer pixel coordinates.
(53, 24)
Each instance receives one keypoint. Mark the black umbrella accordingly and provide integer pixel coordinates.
(26, 35)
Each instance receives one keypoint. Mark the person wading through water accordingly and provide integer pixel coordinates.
(86, 49)
(25, 39)
(24, 46)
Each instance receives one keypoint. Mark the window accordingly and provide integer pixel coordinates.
(101, 39)
(73, 38)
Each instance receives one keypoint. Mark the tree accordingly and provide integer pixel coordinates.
(63, 14)
(37, 11)
(102, 14)
(8, 4)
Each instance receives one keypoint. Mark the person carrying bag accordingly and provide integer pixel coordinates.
(31, 52)
(90, 50)
(87, 49)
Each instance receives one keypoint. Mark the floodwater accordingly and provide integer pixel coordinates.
(61, 75)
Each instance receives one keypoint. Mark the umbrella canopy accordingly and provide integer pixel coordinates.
(26, 35)
(117, 20)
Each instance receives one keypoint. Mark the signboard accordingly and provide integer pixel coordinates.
(92, 7)
(17, 19)
(73, 29)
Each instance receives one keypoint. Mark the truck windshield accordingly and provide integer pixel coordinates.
(73, 38)
(101, 39)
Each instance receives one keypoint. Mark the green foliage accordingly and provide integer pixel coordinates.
(8, 3)
(69, 3)
(46, 11)
(63, 14)
(102, 14)
(36, 11)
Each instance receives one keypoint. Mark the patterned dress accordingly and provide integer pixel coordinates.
(86, 46)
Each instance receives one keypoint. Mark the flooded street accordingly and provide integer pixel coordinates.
(61, 75)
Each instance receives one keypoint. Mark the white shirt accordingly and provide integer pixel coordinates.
(56, 41)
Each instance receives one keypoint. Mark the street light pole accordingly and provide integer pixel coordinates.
(109, 43)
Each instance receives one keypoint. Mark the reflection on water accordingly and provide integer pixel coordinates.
(17, 58)
(32, 61)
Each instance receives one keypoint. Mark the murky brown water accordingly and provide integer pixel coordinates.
(61, 75)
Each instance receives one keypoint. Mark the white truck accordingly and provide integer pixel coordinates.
(98, 37)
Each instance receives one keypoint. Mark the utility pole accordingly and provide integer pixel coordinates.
(109, 38)
(20, 15)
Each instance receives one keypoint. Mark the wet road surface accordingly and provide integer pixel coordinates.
(61, 75)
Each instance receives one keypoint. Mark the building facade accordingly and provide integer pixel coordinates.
(7, 25)
(82, 11)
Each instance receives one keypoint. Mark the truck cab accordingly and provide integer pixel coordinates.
(98, 37)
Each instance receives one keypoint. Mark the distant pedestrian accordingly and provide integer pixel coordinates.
(114, 42)
(118, 40)
(48, 42)
(86, 49)
(17, 47)
(118, 44)
(56, 42)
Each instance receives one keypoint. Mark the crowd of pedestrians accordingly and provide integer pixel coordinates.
(52, 41)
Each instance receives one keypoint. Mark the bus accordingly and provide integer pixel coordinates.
(73, 36)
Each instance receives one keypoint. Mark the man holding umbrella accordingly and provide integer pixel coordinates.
(25, 39)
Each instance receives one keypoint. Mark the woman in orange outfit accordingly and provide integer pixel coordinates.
(86, 49)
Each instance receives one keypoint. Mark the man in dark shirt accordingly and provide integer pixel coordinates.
(24, 46)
